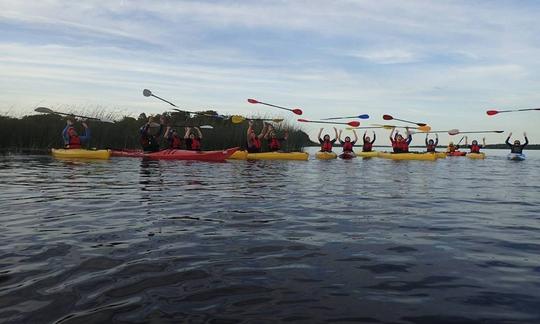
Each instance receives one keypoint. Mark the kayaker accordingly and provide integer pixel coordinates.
(150, 133)
(431, 146)
(275, 142)
(254, 143)
(368, 142)
(326, 142)
(475, 147)
(193, 141)
(399, 143)
(452, 148)
(173, 138)
(517, 147)
(348, 145)
(72, 140)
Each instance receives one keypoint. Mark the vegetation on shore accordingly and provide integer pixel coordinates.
(43, 132)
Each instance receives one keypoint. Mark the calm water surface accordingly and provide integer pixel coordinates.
(373, 240)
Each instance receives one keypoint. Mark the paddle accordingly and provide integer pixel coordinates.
(457, 131)
(424, 129)
(148, 93)
(352, 123)
(238, 119)
(295, 110)
(365, 116)
(202, 127)
(46, 110)
(460, 140)
(388, 117)
(495, 112)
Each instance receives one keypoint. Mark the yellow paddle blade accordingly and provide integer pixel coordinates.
(424, 128)
(237, 119)
(385, 126)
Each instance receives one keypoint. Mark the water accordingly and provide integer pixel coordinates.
(375, 240)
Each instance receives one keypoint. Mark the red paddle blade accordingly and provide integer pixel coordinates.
(492, 112)
(303, 120)
(353, 124)
(297, 111)
(253, 101)
(387, 117)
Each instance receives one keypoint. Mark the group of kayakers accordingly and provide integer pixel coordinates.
(268, 133)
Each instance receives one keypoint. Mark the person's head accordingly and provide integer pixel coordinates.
(326, 137)
(347, 139)
(252, 134)
(273, 134)
(399, 138)
(151, 119)
(368, 139)
(431, 142)
(475, 142)
(451, 144)
(517, 143)
(192, 136)
(71, 131)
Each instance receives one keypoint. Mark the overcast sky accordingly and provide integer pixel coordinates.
(443, 63)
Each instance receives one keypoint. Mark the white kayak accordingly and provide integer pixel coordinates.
(516, 156)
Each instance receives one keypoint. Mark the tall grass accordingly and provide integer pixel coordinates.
(42, 132)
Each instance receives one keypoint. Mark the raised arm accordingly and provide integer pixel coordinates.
(374, 136)
(339, 135)
(199, 132)
(526, 140)
(355, 136)
(263, 131)
(426, 141)
(188, 130)
(392, 135)
(364, 137)
(167, 133)
(436, 139)
(483, 142)
(336, 134)
(320, 133)
(507, 142)
(87, 133)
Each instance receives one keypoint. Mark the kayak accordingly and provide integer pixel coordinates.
(367, 154)
(456, 153)
(244, 155)
(476, 156)
(408, 156)
(325, 155)
(81, 154)
(347, 155)
(178, 154)
(439, 155)
(516, 156)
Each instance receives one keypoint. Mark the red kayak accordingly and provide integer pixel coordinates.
(178, 154)
(347, 155)
(456, 153)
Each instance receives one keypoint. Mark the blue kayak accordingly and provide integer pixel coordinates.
(516, 156)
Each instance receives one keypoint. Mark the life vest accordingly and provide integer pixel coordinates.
(431, 147)
(326, 146)
(74, 140)
(400, 147)
(367, 147)
(195, 144)
(274, 144)
(475, 149)
(175, 142)
(347, 146)
(255, 142)
(451, 148)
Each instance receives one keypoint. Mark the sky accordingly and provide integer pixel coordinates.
(440, 62)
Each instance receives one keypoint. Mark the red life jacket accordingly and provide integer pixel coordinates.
(400, 147)
(175, 142)
(475, 149)
(347, 146)
(195, 144)
(274, 144)
(367, 147)
(431, 148)
(74, 141)
(255, 142)
(326, 146)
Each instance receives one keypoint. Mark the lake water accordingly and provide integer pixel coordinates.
(125, 240)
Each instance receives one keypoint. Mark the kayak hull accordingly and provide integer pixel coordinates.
(81, 154)
(368, 154)
(347, 155)
(215, 156)
(456, 153)
(439, 155)
(516, 156)
(326, 155)
(244, 155)
(408, 156)
(476, 156)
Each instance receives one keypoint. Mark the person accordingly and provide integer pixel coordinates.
(452, 148)
(193, 141)
(348, 145)
(475, 147)
(173, 138)
(149, 134)
(254, 143)
(326, 142)
(368, 143)
(72, 140)
(517, 147)
(431, 146)
(274, 142)
(399, 143)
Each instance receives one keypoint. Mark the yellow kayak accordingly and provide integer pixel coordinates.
(368, 154)
(81, 154)
(244, 155)
(477, 156)
(325, 155)
(439, 155)
(408, 156)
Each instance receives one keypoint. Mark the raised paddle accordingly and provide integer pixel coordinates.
(239, 119)
(364, 116)
(495, 112)
(388, 117)
(295, 110)
(148, 93)
(352, 123)
(46, 110)
(424, 129)
(457, 131)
